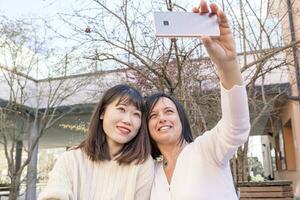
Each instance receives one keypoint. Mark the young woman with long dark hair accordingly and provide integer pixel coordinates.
(199, 169)
(113, 161)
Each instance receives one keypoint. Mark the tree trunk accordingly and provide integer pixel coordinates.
(233, 167)
(14, 187)
(18, 157)
(32, 166)
(246, 169)
(15, 179)
(242, 163)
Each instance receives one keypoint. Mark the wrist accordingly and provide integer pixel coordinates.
(228, 67)
(230, 75)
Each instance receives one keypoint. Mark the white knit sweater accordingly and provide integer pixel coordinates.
(75, 177)
(202, 169)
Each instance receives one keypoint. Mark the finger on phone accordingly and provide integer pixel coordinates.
(214, 8)
(222, 18)
(203, 7)
(195, 10)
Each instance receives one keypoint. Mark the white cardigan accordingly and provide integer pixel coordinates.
(202, 169)
(75, 177)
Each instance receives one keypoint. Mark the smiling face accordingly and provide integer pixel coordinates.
(121, 123)
(164, 123)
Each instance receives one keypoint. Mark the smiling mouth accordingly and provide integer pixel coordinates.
(163, 128)
(124, 130)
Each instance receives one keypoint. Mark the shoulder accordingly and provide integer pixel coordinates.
(71, 153)
(206, 135)
(145, 173)
(201, 142)
(149, 163)
(73, 157)
(200, 139)
(147, 167)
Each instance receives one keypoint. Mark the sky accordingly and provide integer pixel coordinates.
(44, 10)
(39, 8)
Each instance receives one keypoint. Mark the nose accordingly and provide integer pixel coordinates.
(127, 118)
(162, 118)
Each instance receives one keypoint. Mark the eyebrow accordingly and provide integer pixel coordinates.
(127, 104)
(122, 104)
(168, 107)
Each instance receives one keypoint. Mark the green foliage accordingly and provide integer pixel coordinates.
(255, 166)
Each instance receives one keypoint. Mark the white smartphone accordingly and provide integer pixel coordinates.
(185, 24)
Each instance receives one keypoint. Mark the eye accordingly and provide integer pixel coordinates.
(152, 115)
(121, 108)
(169, 111)
(137, 114)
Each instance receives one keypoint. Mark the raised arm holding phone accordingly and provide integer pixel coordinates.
(199, 170)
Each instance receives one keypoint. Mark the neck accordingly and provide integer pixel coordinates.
(171, 152)
(114, 148)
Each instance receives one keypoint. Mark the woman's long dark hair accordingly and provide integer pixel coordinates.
(186, 134)
(95, 145)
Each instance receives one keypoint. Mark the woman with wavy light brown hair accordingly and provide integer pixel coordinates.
(113, 161)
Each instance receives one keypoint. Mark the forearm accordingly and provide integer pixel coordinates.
(230, 74)
(235, 112)
(233, 129)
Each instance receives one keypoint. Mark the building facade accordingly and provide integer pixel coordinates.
(281, 140)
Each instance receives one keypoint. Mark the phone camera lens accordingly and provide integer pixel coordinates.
(166, 23)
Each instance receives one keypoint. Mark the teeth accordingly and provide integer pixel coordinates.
(164, 128)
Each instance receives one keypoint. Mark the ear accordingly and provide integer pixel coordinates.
(102, 115)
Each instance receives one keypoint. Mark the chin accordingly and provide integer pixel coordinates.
(122, 140)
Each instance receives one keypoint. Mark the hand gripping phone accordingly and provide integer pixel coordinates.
(185, 24)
